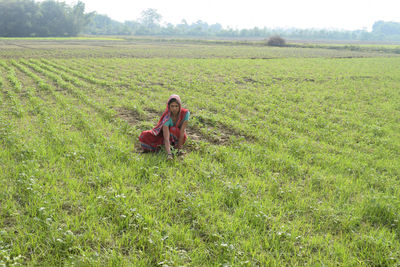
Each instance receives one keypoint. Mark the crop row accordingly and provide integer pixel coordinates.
(53, 75)
(297, 162)
(220, 116)
(225, 111)
(166, 49)
(64, 147)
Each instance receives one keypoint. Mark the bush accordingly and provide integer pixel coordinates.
(276, 40)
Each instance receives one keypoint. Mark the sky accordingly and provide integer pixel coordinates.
(318, 14)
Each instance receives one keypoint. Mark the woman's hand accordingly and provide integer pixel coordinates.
(169, 156)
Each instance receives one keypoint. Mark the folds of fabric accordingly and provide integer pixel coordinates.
(151, 142)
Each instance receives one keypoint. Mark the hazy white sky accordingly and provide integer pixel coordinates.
(331, 14)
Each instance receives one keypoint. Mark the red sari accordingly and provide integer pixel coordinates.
(152, 140)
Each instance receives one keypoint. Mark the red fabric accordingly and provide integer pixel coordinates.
(152, 142)
(152, 139)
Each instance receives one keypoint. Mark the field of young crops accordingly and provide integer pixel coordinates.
(293, 155)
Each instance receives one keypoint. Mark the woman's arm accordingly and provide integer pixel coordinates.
(182, 134)
(166, 140)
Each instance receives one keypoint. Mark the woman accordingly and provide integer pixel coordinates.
(170, 129)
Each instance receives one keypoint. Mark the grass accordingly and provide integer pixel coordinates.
(113, 47)
(290, 161)
(381, 48)
(58, 39)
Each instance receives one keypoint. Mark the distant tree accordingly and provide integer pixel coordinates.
(245, 33)
(150, 20)
(132, 26)
(104, 25)
(169, 29)
(214, 28)
(24, 18)
(52, 20)
(17, 17)
(276, 40)
(386, 28)
(229, 33)
(77, 19)
(99, 24)
(182, 28)
(257, 32)
(199, 28)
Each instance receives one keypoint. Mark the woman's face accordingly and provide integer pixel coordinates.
(174, 108)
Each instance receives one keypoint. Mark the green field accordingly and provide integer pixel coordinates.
(293, 155)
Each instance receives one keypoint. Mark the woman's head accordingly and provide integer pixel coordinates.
(174, 104)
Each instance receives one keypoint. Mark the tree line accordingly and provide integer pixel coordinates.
(149, 24)
(27, 18)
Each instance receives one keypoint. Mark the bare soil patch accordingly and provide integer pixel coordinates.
(152, 113)
(250, 80)
(361, 77)
(247, 80)
(219, 135)
(291, 79)
(157, 84)
(130, 116)
(196, 135)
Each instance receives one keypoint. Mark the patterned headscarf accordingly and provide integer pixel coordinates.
(167, 114)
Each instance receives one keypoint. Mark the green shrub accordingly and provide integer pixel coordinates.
(276, 40)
